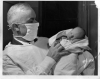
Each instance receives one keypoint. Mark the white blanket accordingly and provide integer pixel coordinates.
(68, 64)
(72, 47)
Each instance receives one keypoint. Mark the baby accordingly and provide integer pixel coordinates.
(74, 42)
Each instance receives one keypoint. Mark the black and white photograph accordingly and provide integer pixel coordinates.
(50, 38)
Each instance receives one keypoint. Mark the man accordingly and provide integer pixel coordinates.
(21, 57)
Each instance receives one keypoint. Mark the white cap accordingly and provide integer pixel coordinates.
(20, 13)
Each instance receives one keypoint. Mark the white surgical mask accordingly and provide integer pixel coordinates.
(32, 29)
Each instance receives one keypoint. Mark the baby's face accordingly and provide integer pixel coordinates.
(72, 35)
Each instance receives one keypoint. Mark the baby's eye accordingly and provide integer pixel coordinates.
(71, 37)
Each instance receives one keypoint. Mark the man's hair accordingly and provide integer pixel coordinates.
(13, 11)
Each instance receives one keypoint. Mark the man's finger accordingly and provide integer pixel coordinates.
(53, 45)
(64, 53)
(60, 48)
(58, 45)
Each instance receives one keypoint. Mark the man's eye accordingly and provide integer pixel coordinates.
(31, 20)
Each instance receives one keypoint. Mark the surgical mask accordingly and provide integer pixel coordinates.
(32, 29)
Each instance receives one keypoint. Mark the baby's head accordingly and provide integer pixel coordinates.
(76, 33)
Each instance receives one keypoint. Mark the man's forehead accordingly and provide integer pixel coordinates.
(24, 17)
(29, 14)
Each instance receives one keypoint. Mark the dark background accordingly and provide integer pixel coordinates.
(55, 16)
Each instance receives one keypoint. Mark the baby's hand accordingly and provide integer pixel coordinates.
(61, 34)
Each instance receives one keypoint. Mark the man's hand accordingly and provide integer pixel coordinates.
(56, 51)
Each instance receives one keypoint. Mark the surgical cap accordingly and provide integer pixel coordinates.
(18, 12)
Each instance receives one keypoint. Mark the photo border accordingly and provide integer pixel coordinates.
(97, 2)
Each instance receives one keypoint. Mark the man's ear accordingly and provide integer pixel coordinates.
(15, 27)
